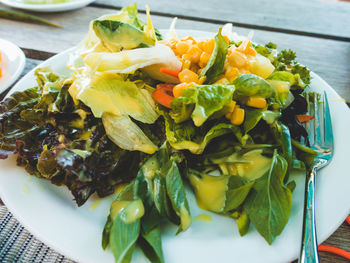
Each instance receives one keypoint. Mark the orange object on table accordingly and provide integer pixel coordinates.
(0, 67)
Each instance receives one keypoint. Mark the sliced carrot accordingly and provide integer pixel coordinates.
(170, 72)
(334, 250)
(304, 118)
(348, 220)
(163, 94)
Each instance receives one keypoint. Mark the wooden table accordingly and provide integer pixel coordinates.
(317, 30)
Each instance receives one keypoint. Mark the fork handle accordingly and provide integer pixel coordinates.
(308, 252)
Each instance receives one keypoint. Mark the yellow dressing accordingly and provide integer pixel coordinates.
(95, 204)
(203, 217)
(26, 189)
(253, 165)
(117, 207)
(150, 168)
(185, 217)
(132, 212)
(210, 191)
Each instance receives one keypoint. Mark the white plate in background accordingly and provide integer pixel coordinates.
(59, 7)
(11, 64)
(50, 213)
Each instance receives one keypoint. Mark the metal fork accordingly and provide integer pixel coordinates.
(321, 140)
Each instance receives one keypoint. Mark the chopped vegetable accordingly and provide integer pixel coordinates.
(169, 72)
(304, 118)
(164, 94)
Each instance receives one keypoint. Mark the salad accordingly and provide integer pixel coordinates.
(150, 115)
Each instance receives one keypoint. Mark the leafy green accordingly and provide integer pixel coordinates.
(252, 85)
(126, 134)
(62, 141)
(285, 61)
(177, 196)
(123, 237)
(238, 190)
(116, 96)
(185, 135)
(270, 202)
(116, 35)
(253, 116)
(215, 65)
(204, 100)
(243, 223)
(151, 245)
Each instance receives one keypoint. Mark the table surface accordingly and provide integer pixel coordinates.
(317, 30)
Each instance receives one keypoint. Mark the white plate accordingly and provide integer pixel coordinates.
(11, 64)
(49, 213)
(59, 7)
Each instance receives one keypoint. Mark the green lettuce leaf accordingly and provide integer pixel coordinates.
(61, 141)
(204, 100)
(126, 134)
(252, 85)
(216, 63)
(177, 196)
(116, 35)
(151, 245)
(186, 136)
(115, 96)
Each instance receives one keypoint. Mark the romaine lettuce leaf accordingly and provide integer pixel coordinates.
(252, 85)
(216, 63)
(204, 100)
(128, 61)
(126, 134)
(115, 96)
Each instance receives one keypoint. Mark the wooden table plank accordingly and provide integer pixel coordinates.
(312, 17)
(328, 58)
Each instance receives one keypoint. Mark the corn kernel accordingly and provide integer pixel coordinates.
(237, 116)
(190, 39)
(186, 64)
(237, 59)
(182, 47)
(203, 60)
(195, 53)
(231, 73)
(172, 43)
(188, 76)
(201, 44)
(232, 106)
(194, 67)
(228, 115)
(221, 81)
(244, 45)
(177, 90)
(251, 51)
(256, 102)
(209, 45)
(186, 57)
(226, 39)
